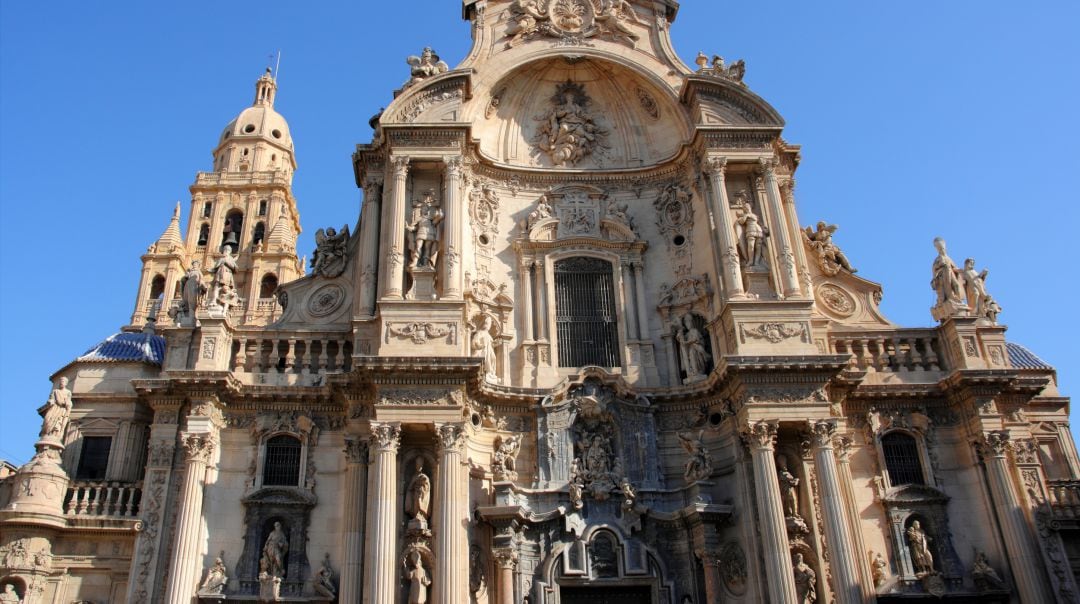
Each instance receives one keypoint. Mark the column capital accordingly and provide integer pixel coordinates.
(760, 435)
(768, 166)
(450, 437)
(199, 447)
(371, 189)
(821, 433)
(996, 443)
(454, 164)
(845, 446)
(505, 557)
(401, 165)
(356, 450)
(385, 437)
(714, 166)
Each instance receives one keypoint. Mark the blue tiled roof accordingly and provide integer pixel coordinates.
(127, 347)
(1022, 358)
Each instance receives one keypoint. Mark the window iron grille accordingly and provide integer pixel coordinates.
(585, 317)
(902, 459)
(281, 466)
(94, 458)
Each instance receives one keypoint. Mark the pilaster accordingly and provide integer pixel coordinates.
(355, 496)
(789, 279)
(395, 252)
(452, 225)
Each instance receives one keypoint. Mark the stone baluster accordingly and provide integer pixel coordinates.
(184, 558)
(901, 357)
(913, 352)
(884, 359)
(356, 460)
(452, 224)
(506, 559)
(241, 356)
(837, 528)
(760, 438)
(395, 253)
(323, 357)
(369, 251)
(381, 559)
(789, 278)
(725, 237)
(451, 581)
(1024, 558)
(930, 356)
(290, 355)
(642, 312)
(866, 359)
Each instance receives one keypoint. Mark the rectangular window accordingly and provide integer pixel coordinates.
(585, 313)
(94, 458)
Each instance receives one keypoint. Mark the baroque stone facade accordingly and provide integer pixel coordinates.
(579, 347)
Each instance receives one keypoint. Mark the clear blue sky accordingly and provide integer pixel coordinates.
(917, 119)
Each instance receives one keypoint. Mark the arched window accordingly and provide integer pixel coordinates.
(207, 209)
(585, 313)
(157, 286)
(230, 235)
(268, 286)
(262, 207)
(281, 466)
(259, 234)
(204, 234)
(902, 459)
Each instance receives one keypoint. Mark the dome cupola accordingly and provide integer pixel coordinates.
(258, 140)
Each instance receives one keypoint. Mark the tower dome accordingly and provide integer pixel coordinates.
(258, 139)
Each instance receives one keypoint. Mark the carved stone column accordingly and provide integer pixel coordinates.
(791, 217)
(352, 578)
(184, 565)
(1024, 557)
(725, 238)
(789, 278)
(541, 301)
(381, 560)
(506, 560)
(710, 561)
(452, 223)
(630, 295)
(760, 438)
(639, 287)
(845, 569)
(525, 275)
(369, 242)
(844, 446)
(451, 580)
(395, 252)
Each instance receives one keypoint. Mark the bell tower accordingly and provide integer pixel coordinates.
(245, 203)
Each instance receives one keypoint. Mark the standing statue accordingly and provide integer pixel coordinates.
(224, 270)
(56, 411)
(9, 594)
(879, 569)
(215, 580)
(425, 66)
(328, 259)
(483, 346)
(506, 450)
(543, 210)
(418, 496)
(751, 234)
(699, 464)
(323, 582)
(191, 289)
(975, 288)
(919, 543)
(695, 359)
(805, 581)
(984, 575)
(418, 580)
(830, 258)
(576, 484)
(274, 551)
(789, 491)
(947, 283)
(423, 231)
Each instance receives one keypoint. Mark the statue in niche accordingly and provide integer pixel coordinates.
(879, 569)
(525, 16)
(483, 346)
(191, 289)
(9, 594)
(418, 580)
(216, 578)
(543, 211)
(418, 497)
(919, 544)
(424, 66)
(576, 484)
(328, 259)
(506, 450)
(56, 411)
(789, 488)
(423, 231)
(323, 581)
(805, 581)
(223, 282)
(947, 282)
(830, 258)
(274, 551)
(568, 132)
(695, 358)
(751, 234)
(984, 575)
(699, 464)
(975, 288)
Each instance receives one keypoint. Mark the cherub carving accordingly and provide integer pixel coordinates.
(525, 16)
(830, 258)
(328, 259)
(506, 450)
(615, 15)
(426, 65)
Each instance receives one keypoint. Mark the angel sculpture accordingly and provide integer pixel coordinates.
(425, 66)
(699, 465)
(615, 14)
(524, 18)
(830, 258)
(506, 451)
(328, 259)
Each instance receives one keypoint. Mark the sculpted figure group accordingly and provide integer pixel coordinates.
(960, 291)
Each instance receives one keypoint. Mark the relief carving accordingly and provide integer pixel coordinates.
(569, 132)
(420, 333)
(571, 22)
(836, 300)
(773, 332)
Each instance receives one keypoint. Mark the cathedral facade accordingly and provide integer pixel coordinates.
(578, 348)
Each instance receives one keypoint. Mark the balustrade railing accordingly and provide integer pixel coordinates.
(890, 351)
(97, 498)
(1064, 498)
(307, 354)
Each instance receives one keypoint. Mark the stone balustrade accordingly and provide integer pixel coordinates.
(1065, 498)
(890, 351)
(99, 498)
(291, 352)
(258, 178)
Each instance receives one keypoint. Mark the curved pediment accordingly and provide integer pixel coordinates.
(722, 102)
